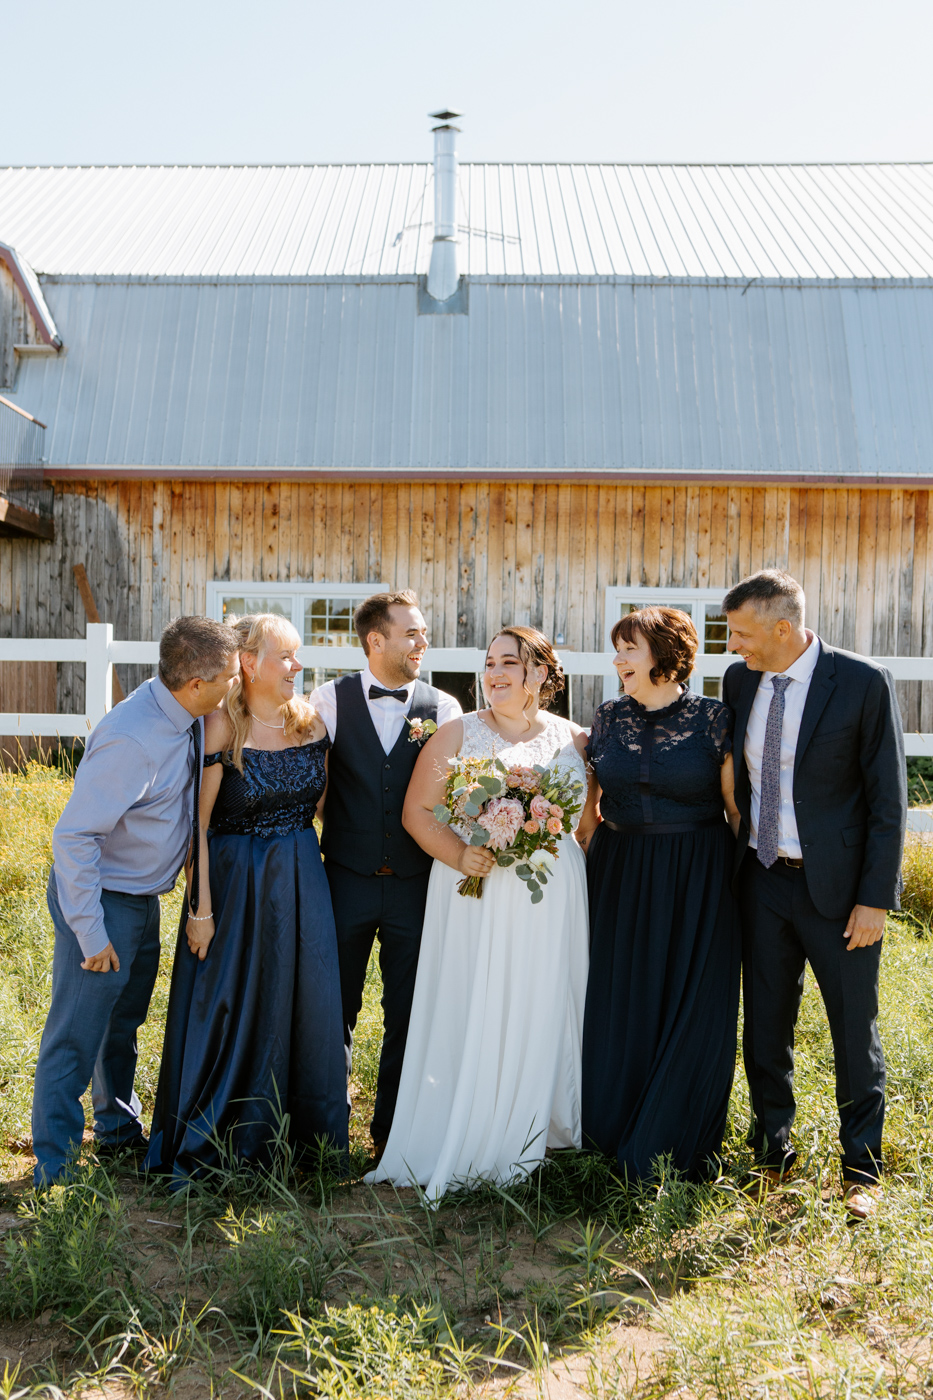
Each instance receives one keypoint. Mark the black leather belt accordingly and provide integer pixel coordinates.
(665, 828)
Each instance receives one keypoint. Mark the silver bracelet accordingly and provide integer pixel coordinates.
(200, 919)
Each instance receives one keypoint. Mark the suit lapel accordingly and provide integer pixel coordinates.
(822, 686)
(750, 683)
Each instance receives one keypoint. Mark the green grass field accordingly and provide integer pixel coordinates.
(568, 1285)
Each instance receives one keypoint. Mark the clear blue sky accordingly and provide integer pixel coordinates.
(91, 81)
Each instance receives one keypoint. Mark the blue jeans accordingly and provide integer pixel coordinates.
(90, 1033)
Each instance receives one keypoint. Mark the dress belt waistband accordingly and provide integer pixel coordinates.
(665, 828)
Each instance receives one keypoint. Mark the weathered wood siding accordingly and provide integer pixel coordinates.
(16, 326)
(479, 554)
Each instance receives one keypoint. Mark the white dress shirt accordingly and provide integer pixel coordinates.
(388, 716)
(795, 697)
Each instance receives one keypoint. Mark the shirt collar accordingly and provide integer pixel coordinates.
(805, 664)
(368, 679)
(170, 707)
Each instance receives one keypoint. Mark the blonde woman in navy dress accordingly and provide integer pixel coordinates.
(255, 1028)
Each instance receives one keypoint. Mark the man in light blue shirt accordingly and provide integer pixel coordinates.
(118, 845)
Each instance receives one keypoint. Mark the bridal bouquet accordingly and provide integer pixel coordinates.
(520, 813)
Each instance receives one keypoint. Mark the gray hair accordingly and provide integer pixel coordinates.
(194, 648)
(774, 594)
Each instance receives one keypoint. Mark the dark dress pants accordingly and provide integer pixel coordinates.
(386, 907)
(90, 1033)
(782, 931)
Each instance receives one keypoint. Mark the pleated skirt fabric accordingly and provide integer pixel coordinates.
(659, 1040)
(255, 1031)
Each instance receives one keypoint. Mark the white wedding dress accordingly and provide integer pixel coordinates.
(491, 1075)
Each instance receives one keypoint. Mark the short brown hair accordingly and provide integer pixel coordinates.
(194, 648)
(534, 649)
(773, 593)
(671, 637)
(373, 614)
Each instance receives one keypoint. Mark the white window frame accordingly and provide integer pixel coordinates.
(696, 601)
(298, 593)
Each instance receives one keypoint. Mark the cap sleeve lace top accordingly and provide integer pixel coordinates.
(660, 766)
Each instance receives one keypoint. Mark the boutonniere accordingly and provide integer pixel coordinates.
(420, 729)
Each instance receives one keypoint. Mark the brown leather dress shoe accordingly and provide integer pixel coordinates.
(860, 1199)
(379, 1148)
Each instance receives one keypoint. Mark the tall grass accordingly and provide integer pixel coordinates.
(296, 1283)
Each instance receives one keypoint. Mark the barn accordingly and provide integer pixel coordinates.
(534, 393)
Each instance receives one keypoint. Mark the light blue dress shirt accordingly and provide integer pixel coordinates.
(127, 825)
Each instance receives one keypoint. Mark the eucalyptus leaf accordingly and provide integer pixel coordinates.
(525, 871)
(472, 809)
(537, 896)
(479, 838)
(442, 814)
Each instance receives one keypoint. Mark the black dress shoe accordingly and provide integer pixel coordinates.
(132, 1150)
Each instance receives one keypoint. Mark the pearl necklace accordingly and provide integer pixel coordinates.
(264, 724)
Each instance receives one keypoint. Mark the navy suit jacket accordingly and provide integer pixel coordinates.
(850, 781)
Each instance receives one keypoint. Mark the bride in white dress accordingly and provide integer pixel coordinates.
(491, 1076)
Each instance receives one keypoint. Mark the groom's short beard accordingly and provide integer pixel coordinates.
(400, 669)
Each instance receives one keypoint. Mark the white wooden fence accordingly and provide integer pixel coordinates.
(99, 652)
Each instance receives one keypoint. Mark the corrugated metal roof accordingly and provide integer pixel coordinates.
(539, 377)
(711, 221)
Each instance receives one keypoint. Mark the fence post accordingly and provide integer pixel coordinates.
(98, 674)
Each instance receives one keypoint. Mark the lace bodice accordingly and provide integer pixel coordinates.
(479, 741)
(277, 792)
(660, 766)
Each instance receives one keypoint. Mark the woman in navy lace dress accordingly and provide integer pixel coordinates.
(254, 1028)
(659, 1034)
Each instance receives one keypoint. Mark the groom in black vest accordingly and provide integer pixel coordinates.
(378, 875)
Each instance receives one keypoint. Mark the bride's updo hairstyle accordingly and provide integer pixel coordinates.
(534, 649)
(257, 635)
(671, 637)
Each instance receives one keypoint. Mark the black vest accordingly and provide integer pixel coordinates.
(366, 786)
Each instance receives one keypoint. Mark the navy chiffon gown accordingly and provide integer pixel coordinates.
(256, 1030)
(659, 1034)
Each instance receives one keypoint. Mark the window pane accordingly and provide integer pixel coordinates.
(328, 622)
(687, 607)
(255, 603)
(712, 685)
(716, 633)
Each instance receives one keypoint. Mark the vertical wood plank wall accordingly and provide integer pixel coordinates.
(479, 554)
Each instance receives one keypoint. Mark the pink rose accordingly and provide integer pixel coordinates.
(532, 827)
(541, 808)
(555, 810)
(555, 826)
(529, 779)
(502, 818)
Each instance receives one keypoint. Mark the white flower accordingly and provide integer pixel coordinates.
(542, 861)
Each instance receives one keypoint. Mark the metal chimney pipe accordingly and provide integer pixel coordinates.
(443, 273)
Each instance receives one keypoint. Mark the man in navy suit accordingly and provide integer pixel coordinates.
(821, 783)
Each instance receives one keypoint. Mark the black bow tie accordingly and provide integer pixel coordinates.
(376, 692)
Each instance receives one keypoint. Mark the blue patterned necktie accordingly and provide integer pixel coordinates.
(769, 811)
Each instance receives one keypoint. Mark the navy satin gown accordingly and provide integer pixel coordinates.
(256, 1031)
(659, 1035)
